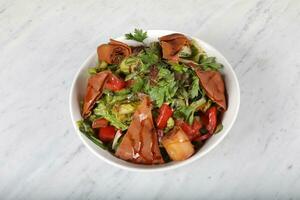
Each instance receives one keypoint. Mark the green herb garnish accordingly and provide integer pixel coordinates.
(139, 35)
(210, 63)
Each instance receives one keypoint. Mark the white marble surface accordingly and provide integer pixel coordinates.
(42, 44)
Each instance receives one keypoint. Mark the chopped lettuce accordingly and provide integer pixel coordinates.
(178, 67)
(117, 107)
(102, 110)
(126, 108)
(102, 65)
(138, 84)
(87, 130)
(130, 65)
(206, 106)
(124, 111)
(187, 112)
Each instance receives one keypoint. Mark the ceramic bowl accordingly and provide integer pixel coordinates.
(232, 86)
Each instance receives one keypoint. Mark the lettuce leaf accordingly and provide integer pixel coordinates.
(86, 129)
(187, 112)
(102, 110)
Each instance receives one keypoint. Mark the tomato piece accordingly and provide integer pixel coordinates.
(107, 134)
(115, 83)
(165, 112)
(100, 122)
(211, 113)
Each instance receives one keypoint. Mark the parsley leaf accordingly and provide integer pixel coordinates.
(187, 112)
(210, 63)
(165, 88)
(148, 59)
(194, 88)
(138, 35)
(157, 94)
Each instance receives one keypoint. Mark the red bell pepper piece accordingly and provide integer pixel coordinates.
(115, 83)
(204, 119)
(188, 130)
(202, 137)
(209, 120)
(192, 131)
(197, 125)
(211, 113)
(165, 112)
(107, 134)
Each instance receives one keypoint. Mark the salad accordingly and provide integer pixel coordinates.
(155, 102)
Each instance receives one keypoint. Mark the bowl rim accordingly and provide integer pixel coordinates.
(156, 167)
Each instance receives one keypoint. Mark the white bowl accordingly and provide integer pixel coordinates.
(232, 86)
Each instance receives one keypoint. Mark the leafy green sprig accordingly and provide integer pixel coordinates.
(138, 35)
